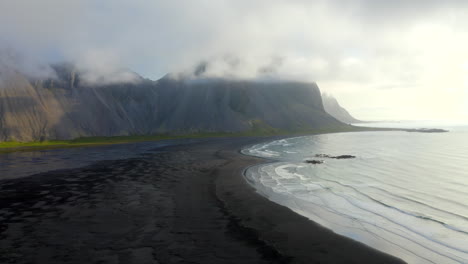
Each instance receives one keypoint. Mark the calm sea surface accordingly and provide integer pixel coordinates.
(405, 193)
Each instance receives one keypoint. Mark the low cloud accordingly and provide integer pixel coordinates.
(95, 70)
(351, 48)
(12, 62)
(103, 68)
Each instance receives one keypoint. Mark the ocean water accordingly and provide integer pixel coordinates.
(405, 193)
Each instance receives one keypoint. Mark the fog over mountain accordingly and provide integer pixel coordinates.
(70, 106)
(368, 53)
(333, 108)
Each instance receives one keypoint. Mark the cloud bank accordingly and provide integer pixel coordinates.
(381, 59)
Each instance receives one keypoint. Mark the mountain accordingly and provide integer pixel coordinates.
(332, 107)
(68, 107)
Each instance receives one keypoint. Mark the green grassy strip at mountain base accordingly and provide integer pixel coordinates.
(257, 131)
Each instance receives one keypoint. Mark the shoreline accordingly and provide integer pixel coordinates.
(297, 238)
(181, 204)
(13, 146)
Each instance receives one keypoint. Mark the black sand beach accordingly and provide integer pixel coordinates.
(182, 204)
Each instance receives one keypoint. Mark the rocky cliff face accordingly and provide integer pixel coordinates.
(66, 107)
(223, 105)
(333, 108)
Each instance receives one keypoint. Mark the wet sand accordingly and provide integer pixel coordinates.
(181, 204)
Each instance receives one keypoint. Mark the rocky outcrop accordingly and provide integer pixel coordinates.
(335, 157)
(314, 161)
(67, 107)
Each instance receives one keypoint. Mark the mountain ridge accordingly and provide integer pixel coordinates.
(66, 107)
(333, 108)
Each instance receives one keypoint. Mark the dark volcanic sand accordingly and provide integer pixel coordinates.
(183, 204)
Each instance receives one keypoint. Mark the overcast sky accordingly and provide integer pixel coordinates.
(381, 59)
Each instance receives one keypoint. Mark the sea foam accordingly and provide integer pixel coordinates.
(405, 193)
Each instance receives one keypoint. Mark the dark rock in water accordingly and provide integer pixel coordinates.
(344, 157)
(314, 161)
(428, 130)
(335, 157)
